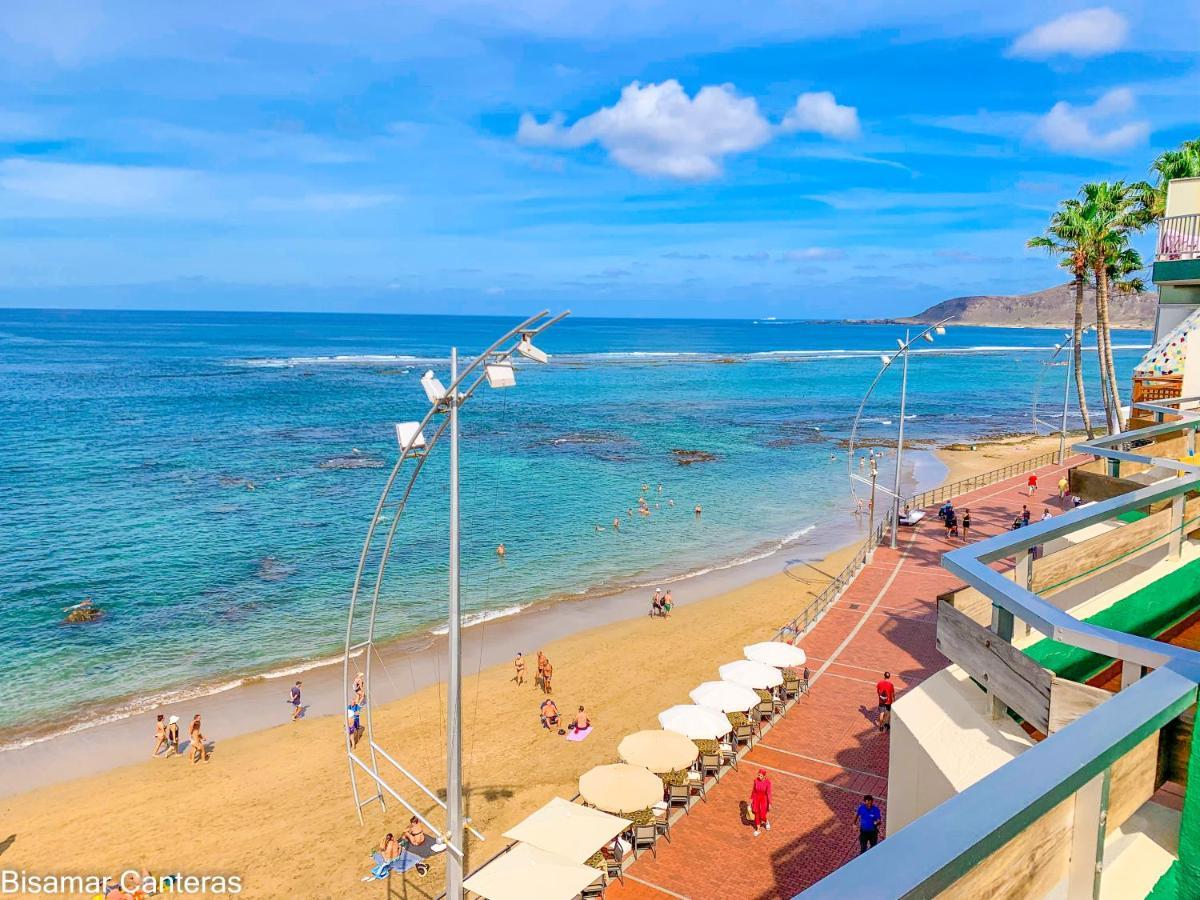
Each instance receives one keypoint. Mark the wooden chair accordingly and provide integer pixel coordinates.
(765, 711)
(696, 785)
(645, 836)
(729, 752)
(710, 763)
(791, 688)
(662, 824)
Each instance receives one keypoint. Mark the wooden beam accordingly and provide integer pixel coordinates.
(1069, 700)
(1006, 672)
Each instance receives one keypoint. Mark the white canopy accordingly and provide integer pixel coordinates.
(751, 674)
(700, 723)
(569, 830)
(620, 787)
(526, 871)
(725, 696)
(776, 653)
(658, 751)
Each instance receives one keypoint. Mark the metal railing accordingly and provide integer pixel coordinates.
(1178, 238)
(934, 851)
(966, 485)
(830, 593)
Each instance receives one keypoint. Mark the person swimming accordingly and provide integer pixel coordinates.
(500, 551)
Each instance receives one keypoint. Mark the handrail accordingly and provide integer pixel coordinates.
(966, 485)
(1178, 238)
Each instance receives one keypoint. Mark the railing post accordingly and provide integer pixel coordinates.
(1131, 673)
(1002, 626)
(1087, 838)
(1177, 525)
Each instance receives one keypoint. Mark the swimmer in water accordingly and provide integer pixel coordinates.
(645, 487)
(670, 502)
(599, 528)
(698, 510)
(660, 487)
(616, 523)
(500, 551)
(629, 512)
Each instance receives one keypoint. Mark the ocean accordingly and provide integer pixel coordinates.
(208, 478)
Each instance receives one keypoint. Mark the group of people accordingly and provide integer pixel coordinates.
(413, 842)
(868, 817)
(166, 737)
(551, 718)
(955, 527)
(544, 678)
(661, 604)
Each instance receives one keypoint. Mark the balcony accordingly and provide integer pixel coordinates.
(1177, 256)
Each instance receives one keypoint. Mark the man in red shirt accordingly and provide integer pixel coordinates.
(887, 696)
(1032, 483)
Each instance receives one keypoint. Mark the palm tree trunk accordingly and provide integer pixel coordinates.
(1102, 360)
(1078, 360)
(1109, 367)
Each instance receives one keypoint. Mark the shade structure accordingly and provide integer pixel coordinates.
(751, 674)
(725, 696)
(620, 787)
(526, 871)
(658, 751)
(569, 830)
(776, 653)
(700, 723)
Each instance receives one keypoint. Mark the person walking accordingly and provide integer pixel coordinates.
(198, 748)
(1063, 487)
(1024, 515)
(160, 735)
(1032, 483)
(519, 666)
(173, 735)
(869, 817)
(760, 801)
(966, 525)
(887, 696)
(294, 699)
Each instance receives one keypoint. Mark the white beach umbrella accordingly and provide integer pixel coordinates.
(658, 751)
(567, 829)
(776, 653)
(620, 788)
(725, 696)
(511, 875)
(700, 723)
(751, 674)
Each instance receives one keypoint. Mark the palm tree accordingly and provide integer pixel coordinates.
(1064, 238)
(1181, 163)
(1111, 210)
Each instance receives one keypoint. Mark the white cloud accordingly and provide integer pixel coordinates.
(109, 187)
(1091, 130)
(325, 202)
(657, 129)
(810, 253)
(1089, 32)
(820, 112)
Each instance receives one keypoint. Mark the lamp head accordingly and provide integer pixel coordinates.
(434, 389)
(526, 349)
(940, 330)
(884, 358)
(900, 343)
(500, 375)
(409, 435)
(928, 337)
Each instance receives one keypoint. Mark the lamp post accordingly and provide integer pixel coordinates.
(493, 366)
(1068, 341)
(904, 347)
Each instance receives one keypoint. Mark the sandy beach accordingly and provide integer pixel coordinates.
(273, 806)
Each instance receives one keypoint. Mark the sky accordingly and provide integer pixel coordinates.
(796, 159)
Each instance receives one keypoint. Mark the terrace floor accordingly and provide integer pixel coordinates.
(826, 751)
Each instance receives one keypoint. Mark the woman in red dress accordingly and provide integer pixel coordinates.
(760, 801)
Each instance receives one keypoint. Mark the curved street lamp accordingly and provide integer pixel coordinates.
(904, 347)
(494, 366)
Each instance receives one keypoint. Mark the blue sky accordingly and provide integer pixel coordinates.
(646, 158)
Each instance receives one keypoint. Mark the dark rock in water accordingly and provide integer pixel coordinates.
(588, 437)
(271, 568)
(690, 457)
(84, 614)
(353, 462)
(230, 481)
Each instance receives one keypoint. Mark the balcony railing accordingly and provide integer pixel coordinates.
(1179, 238)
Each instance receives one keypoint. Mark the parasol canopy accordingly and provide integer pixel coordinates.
(566, 829)
(700, 723)
(512, 875)
(751, 674)
(776, 653)
(725, 696)
(658, 751)
(620, 787)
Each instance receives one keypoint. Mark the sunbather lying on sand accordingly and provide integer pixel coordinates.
(549, 714)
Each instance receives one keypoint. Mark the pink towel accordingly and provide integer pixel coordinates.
(574, 735)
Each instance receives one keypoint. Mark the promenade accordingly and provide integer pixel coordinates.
(826, 751)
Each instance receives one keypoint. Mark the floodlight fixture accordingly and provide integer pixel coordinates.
(434, 389)
(409, 434)
(527, 350)
(940, 330)
(900, 343)
(500, 375)
(928, 337)
(884, 358)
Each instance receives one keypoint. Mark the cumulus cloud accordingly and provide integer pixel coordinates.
(1092, 130)
(1088, 32)
(657, 129)
(820, 112)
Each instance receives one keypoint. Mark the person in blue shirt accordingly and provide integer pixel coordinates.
(868, 816)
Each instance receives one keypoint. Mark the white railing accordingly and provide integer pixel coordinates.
(1179, 238)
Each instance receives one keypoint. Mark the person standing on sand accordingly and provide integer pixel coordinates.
(519, 665)
(887, 696)
(760, 801)
(667, 603)
(869, 817)
(541, 667)
(198, 748)
(160, 735)
(172, 735)
(360, 689)
(294, 699)
(1032, 483)
(547, 674)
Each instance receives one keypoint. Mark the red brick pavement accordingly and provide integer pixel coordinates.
(826, 752)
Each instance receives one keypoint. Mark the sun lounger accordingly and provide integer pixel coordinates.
(912, 517)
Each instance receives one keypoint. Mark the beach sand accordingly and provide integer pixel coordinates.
(274, 806)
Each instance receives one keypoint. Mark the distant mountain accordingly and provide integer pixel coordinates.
(1051, 308)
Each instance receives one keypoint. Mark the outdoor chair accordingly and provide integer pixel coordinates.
(729, 751)
(804, 681)
(765, 710)
(613, 856)
(595, 889)
(744, 734)
(679, 795)
(662, 824)
(645, 836)
(696, 785)
(710, 763)
(791, 688)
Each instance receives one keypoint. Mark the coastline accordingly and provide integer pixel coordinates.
(282, 788)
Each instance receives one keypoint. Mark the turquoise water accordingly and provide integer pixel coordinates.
(177, 468)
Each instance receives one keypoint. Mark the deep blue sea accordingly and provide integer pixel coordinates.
(177, 468)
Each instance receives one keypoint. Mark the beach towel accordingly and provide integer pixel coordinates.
(576, 735)
(402, 863)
